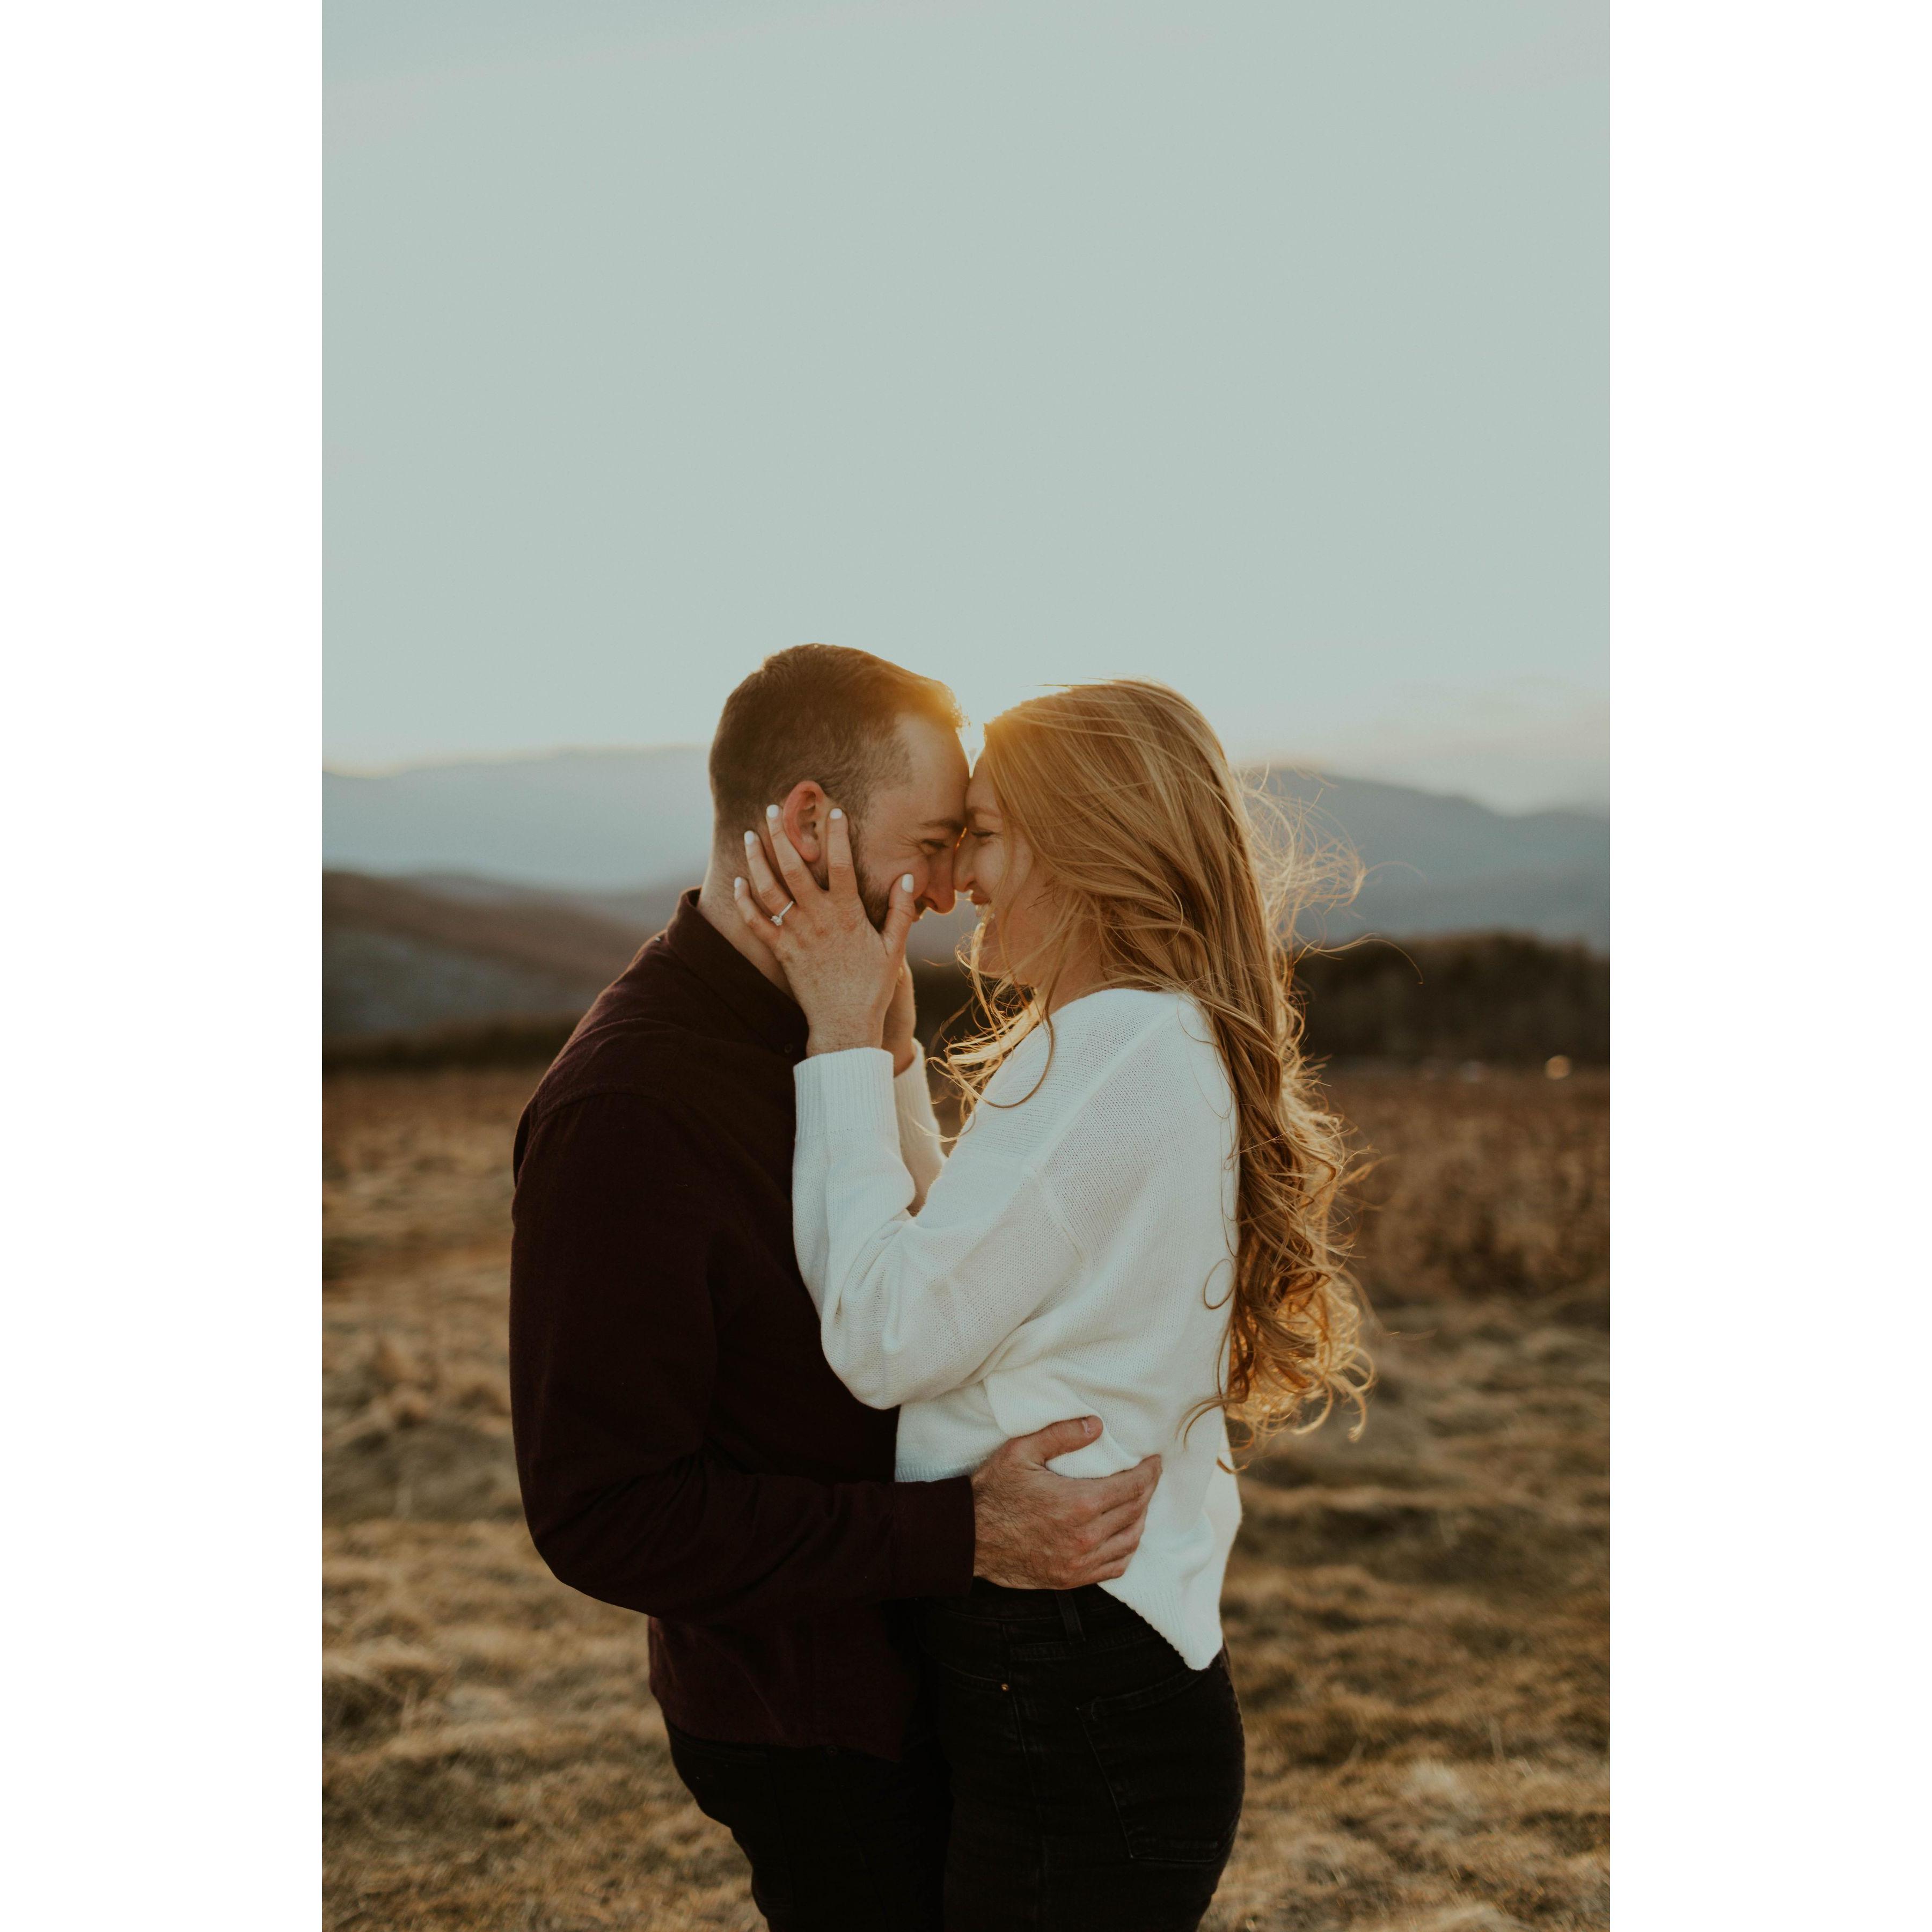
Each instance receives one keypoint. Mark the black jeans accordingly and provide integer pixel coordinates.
(838, 1841)
(1097, 1781)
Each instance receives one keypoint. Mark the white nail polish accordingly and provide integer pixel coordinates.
(737, 885)
(751, 838)
(771, 812)
(905, 884)
(836, 813)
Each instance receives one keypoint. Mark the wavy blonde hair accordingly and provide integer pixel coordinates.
(1156, 868)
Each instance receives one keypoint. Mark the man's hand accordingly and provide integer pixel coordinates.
(1033, 1530)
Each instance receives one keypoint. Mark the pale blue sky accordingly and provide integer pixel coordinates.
(1259, 347)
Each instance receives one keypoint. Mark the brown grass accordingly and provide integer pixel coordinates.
(1417, 1620)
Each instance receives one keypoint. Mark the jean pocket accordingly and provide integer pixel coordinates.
(1171, 1753)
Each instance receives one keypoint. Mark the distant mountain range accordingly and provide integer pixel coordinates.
(399, 954)
(463, 891)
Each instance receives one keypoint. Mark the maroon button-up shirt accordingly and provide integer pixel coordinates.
(683, 1448)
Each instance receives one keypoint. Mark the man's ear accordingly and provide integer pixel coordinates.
(802, 812)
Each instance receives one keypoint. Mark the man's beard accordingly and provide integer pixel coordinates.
(877, 899)
(877, 902)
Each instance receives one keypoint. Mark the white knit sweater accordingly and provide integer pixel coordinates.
(1072, 1257)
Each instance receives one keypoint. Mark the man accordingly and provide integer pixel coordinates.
(683, 1447)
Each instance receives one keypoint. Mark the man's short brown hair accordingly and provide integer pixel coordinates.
(817, 712)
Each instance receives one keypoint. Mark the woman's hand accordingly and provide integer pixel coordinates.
(900, 1040)
(842, 972)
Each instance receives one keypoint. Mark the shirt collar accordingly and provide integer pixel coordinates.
(770, 1015)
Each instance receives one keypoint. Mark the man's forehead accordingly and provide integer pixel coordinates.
(925, 806)
(931, 798)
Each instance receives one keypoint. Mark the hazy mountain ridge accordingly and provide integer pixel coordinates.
(612, 830)
(1437, 863)
(400, 954)
(462, 892)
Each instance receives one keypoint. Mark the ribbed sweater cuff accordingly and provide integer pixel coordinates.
(932, 1538)
(848, 1095)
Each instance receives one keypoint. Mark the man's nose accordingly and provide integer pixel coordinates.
(939, 894)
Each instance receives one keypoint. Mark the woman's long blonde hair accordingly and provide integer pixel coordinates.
(1156, 869)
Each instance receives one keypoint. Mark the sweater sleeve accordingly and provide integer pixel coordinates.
(911, 1307)
(613, 1362)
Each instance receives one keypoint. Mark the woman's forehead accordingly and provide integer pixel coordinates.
(980, 796)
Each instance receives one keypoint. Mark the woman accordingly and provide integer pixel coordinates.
(1135, 1225)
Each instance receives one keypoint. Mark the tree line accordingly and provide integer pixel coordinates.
(1498, 997)
(1501, 997)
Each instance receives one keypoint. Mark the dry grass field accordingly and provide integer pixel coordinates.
(1417, 1620)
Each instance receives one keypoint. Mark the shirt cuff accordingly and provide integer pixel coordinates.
(932, 1538)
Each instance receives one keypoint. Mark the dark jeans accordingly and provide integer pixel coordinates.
(1097, 1781)
(838, 1841)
